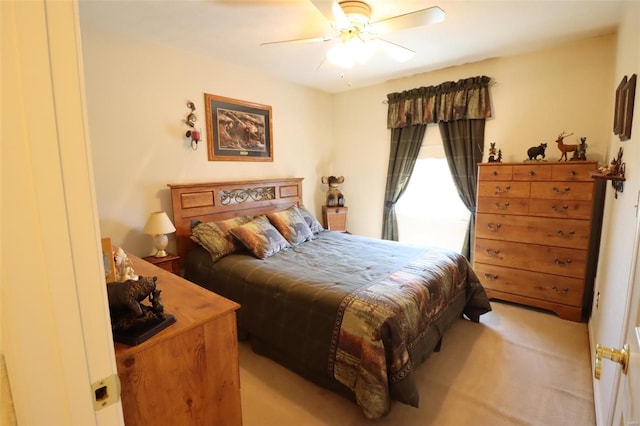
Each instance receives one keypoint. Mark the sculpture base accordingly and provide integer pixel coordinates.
(136, 335)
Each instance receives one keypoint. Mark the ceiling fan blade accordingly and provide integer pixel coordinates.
(397, 52)
(299, 40)
(333, 12)
(431, 15)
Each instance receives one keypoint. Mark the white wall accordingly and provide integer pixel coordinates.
(536, 96)
(136, 96)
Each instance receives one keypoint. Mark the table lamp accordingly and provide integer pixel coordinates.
(159, 225)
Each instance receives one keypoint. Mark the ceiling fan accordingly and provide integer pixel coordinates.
(357, 36)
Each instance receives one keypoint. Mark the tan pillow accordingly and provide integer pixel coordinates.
(291, 225)
(260, 237)
(216, 236)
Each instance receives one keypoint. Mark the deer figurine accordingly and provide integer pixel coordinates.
(563, 147)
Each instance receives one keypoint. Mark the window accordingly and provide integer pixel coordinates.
(430, 211)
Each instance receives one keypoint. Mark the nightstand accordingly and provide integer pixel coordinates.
(335, 218)
(170, 262)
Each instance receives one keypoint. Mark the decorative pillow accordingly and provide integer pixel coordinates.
(260, 237)
(312, 222)
(216, 238)
(291, 225)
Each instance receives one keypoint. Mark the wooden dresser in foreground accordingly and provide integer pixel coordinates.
(187, 374)
(538, 233)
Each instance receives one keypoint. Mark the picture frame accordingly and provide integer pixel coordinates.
(619, 107)
(238, 130)
(625, 98)
(107, 259)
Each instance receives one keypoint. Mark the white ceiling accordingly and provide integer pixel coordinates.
(232, 30)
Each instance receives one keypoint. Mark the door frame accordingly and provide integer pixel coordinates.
(56, 334)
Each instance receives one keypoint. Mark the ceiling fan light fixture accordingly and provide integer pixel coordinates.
(349, 51)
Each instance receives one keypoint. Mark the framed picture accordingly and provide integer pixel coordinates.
(238, 130)
(625, 98)
(107, 260)
(619, 107)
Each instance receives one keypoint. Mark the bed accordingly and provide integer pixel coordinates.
(353, 314)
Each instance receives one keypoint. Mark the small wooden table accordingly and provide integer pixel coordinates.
(170, 262)
(187, 374)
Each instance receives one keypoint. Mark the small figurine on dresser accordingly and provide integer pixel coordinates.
(495, 155)
(132, 321)
(334, 196)
(581, 150)
(534, 151)
(565, 148)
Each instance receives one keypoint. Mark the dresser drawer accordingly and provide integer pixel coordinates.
(503, 205)
(503, 189)
(494, 172)
(573, 233)
(548, 287)
(532, 172)
(563, 261)
(573, 171)
(562, 190)
(570, 209)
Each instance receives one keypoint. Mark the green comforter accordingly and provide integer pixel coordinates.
(348, 312)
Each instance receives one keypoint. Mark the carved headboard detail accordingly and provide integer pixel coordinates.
(211, 201)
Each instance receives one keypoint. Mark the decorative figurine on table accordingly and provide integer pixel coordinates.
(334, 196)
(133, 322)
(564, 148)
(495, 156)
(581, 151)
(534, 151)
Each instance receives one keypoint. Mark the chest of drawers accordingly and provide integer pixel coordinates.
(538, 233)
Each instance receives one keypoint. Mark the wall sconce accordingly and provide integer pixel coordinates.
(194, 134)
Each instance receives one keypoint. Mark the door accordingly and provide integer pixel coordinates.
(627, 403)
(56, 334)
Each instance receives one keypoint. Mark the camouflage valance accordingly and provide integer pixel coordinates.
(449, 101)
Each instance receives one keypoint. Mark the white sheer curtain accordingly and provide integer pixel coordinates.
(430, 211)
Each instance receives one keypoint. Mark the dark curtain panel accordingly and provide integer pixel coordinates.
(461, 109)
(405, 146)
(463, 142)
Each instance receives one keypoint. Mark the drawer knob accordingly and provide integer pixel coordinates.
(502, 207)
(494, 228)
(532, 173)
(572, 173)
(490, 276)
(495, 173)
(567, 235)
(560, 191)
(562, 262)
(492, 252)
(562, 209)
(557, 290)
(499, 190)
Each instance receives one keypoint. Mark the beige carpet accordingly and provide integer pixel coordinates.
(517, 367)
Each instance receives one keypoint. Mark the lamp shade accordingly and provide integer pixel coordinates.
(158, 224)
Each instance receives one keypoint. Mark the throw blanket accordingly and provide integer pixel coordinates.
(379, 323)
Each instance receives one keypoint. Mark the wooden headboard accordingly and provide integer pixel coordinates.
(211, 201)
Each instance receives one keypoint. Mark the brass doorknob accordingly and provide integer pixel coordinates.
(621, 356)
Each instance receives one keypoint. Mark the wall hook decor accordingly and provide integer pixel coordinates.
(192, 133)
